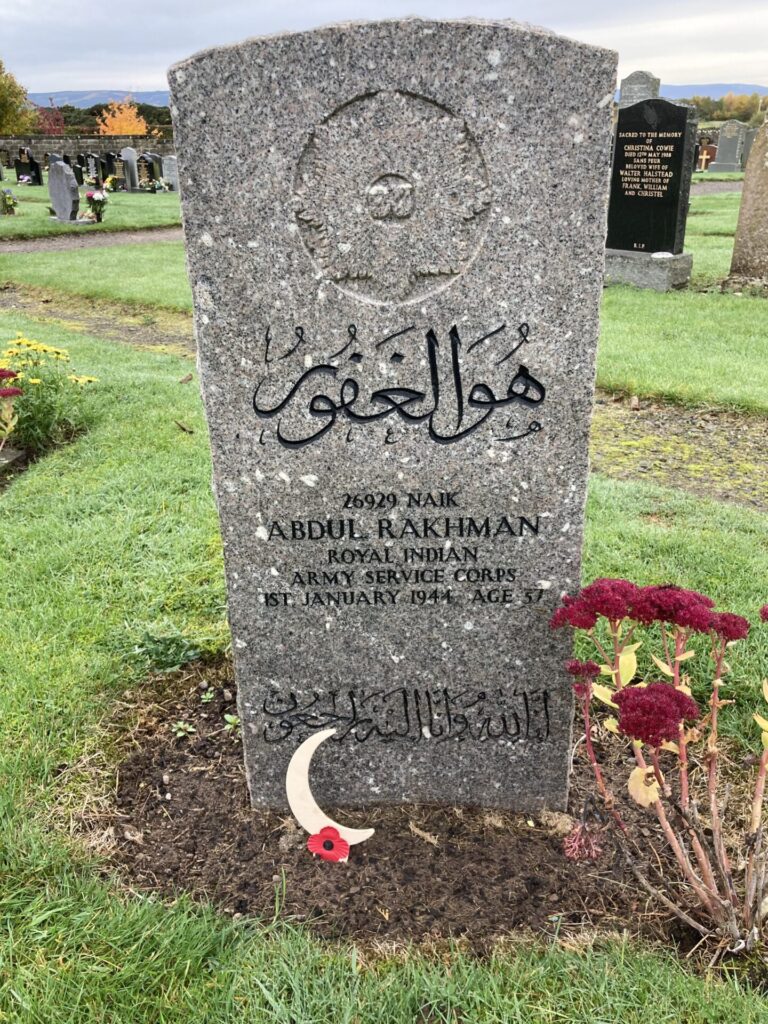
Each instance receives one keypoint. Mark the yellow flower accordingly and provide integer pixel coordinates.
(33, 380)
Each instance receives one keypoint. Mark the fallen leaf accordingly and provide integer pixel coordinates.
(426, 836)
(133, 835)
(187, 379)
(643, 787)
(182, 426)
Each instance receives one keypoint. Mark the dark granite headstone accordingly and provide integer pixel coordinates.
(93, 167)
(145, 168)
(730, 147)
(67, 159)
(396, 322)
(78, 171)
(27, 166)
(651, 177)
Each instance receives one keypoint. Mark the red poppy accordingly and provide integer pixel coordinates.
(10, 392)
(327, 844)
(7, 374)
(764, 613)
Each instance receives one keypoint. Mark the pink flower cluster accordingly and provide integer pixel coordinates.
(653, 713)
(615, 600)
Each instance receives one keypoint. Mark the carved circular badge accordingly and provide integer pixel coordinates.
(391, 196)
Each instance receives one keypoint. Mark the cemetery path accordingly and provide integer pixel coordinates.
(78, 240)
(708, 188)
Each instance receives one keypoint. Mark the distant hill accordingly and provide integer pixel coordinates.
(88, 99)
(714, 92)
(160, 97)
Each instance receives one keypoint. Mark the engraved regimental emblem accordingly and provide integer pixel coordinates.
(391, 196)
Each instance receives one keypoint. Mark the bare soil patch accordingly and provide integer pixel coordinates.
(181, 821)
(154, 328)
(709, 452)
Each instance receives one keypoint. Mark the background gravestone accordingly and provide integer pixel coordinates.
(749, 137)
(145, 168)
(750, 249)
(397, 320)
(650, 188)
(640, 85)
(27, 166)
(63, 191)
(171, 172)
(128, 156)
(730, 147)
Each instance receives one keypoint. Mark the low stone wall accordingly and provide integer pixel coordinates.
(73, 144)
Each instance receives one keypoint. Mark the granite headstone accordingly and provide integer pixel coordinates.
(640, 85)
(730, 147)
(750, 249)
(27, 167)
(171, 172)
(128, 156)
(397, 320)
(63, 191)
(749, 137)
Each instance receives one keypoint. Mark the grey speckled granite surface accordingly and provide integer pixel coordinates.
(396, 305)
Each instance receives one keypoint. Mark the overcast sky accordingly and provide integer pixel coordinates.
(129, 44)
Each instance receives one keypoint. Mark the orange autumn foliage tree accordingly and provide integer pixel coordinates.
(122, 119)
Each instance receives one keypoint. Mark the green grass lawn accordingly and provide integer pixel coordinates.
(684, 346)
(115, 538)
(718, 176)
(125, 211)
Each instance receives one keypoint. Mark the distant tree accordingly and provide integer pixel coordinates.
(153, 114)
(17, 116)
(50, 121)
(121, 119)
(740, 107)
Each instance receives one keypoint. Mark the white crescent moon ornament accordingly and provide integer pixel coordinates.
(303, 805)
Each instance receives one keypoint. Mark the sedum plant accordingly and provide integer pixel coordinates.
(676, 748)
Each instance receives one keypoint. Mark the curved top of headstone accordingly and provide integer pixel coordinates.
(640, 85)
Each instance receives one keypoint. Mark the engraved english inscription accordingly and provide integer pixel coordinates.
(392, 196)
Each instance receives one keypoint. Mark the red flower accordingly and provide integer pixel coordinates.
(612, 599)
(653, 713)
(583, 672)
(729, 626)
(687, 609)
(89, 195)
(327, 844)
(10, 392)
(583, 669)
(764, 613)
(7, 374)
